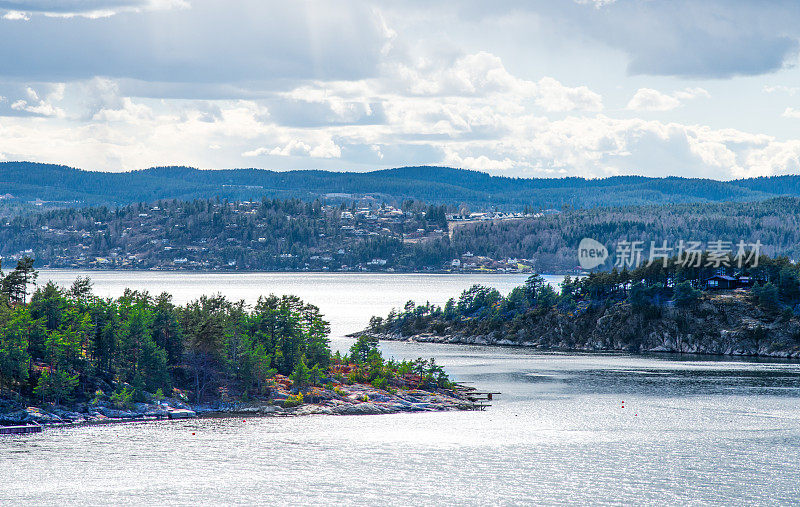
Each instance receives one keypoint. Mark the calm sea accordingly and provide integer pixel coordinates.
(693, 430)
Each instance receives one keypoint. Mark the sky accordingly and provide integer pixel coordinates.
(549, 88)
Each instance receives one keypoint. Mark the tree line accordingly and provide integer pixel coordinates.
(67, 344)
(648, 289)
(27, 181)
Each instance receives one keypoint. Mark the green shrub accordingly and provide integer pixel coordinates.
(99, 395)
(56, 386)
(122, 399)
(293, 400)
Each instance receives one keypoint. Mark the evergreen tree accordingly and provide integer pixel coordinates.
(301, 376)
(56, 385)
(685, 295)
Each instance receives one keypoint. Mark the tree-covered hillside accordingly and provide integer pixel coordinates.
(216, 234)
(61, 186)
(292, 235)
(552, 240)
(655, 308)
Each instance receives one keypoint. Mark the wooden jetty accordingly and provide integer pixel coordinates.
(20, 430)
(480, 400)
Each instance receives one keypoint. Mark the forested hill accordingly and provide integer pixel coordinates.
(64, 186)
(291, 235)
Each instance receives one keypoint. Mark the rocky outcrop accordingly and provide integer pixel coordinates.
(355, 399)
(12, 413)
(722, 324)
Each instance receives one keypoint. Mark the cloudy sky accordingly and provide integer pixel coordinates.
(521, 88)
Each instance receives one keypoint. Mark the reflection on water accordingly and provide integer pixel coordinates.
(693, 430)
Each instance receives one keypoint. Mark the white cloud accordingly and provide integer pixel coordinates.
(790, 90)
(299, 148)
(483, 74)
(128, 112)
(42, 106)
(692, 93)
(138, 133)
(327, 149)
(16, 16)
(648, 99)
(255, 153)
(598, 4)
(294, 148)
(480, 163)
(490, 120)
(333, 104)
(773, 159)
(496, 133)
(791, 112)
(554, 96)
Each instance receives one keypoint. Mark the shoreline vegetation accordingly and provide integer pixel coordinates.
(70, 357)
(654, 308)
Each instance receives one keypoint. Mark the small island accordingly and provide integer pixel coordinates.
(660, 307)
(70, 357)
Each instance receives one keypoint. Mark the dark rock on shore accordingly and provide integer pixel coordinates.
(721, 324)
(355, 399)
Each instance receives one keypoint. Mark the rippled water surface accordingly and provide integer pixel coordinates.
(693, 429)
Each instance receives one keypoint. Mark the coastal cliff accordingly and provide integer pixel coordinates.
(727, 323)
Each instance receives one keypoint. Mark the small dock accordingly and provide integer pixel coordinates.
(481, 400)
(181, 413)
(20, 430)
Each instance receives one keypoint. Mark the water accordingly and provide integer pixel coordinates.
(694, 430)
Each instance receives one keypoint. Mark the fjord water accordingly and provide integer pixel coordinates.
(693, 429)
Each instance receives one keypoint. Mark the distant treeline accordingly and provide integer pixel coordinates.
(292, 235)
(553, 239)
(65, 186)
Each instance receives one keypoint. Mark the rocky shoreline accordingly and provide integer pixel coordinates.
(493, 340)
(725, 324)
(355, 399)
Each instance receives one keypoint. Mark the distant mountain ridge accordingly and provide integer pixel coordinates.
(28, 181)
